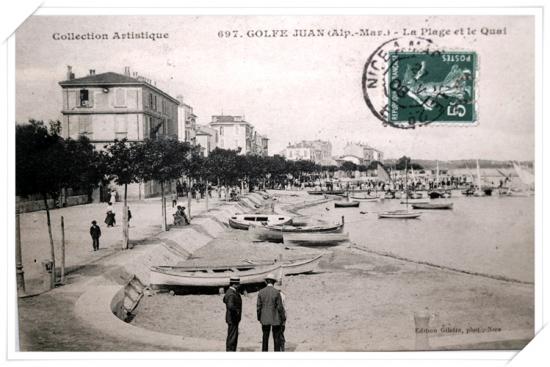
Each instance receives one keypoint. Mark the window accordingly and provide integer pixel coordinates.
(84, 98)
(151, 100)
(221, 130)
(155, 103)
(236, 129)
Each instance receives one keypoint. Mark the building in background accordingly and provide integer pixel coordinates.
(235, 133)
(187, 122)
(206, 138)
(318, 151)
(360, 154)
(109, 106)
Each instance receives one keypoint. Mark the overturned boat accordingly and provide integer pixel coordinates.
(243, 221)
(211, 276)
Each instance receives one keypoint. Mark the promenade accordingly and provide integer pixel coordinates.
(145, 224)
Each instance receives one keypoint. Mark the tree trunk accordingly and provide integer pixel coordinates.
(125, 223)
(52, 247)
(189, 199)
(206, 197)
(163, 202)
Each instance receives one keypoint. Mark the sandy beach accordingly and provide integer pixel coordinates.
(356, 301)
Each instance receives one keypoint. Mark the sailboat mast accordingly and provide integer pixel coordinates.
(406, 188)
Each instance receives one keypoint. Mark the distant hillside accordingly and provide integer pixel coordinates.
(462, 163)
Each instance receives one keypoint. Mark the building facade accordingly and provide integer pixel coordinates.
(187, 122)
(361, 152)
(109, 106)
(318, 151)
(206, 138)
(235, 133)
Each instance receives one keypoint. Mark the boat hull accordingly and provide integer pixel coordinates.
(314, 239)
(168, 276)
(243, 221)
(273, 234)
(439, 206)
(399, 215)
(349, 204)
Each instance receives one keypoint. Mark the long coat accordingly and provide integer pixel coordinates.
(233, 306)
(270, 307)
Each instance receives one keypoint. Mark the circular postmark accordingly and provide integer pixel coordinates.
(384, 86)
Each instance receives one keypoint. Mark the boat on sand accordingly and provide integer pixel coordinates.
(211, 276)
(275, 233)
(294, 266)
(314, 239)
(243, 221)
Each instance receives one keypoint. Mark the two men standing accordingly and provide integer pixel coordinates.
(270, 312)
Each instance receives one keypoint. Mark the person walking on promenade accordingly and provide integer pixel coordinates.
(129, 216)
(113, 196)
(95, 232)
(174, 199)
(110, 216)
(271, 313)
(233, 312)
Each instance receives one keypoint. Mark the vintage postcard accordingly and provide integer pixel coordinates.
(297, 183)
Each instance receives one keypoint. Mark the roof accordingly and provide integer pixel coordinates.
(108, 79)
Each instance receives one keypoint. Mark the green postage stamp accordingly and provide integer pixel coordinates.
(436, 87)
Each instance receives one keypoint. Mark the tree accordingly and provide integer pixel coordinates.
(406, 161)
(349, 167)
(160, 160)
(46, 164)
(122, 166)
(221, 166)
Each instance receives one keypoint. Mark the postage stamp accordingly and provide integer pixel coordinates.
(431, 87)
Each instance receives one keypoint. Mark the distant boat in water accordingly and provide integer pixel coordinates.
(432, 206)
(399, 214)
(346, 204)
(326, 192)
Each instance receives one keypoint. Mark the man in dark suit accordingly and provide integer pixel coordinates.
(95, 233)
(233, 311)
(271, 313)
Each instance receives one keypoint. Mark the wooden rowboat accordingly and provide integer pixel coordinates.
(399, 214)
(275, 233)
(365, 197)
(295, 266)
(314, 239)
(346, 204)
(432, 205)
(326, 192)
(211, 276)
(243, 221)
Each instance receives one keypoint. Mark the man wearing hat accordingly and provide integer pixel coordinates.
(233, 310)
(271, 313)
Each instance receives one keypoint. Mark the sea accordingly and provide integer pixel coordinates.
(492, 236)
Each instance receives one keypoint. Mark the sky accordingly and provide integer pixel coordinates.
(293, 88)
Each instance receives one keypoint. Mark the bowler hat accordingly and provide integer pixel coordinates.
(271, 276)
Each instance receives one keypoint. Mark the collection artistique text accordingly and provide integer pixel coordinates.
(91, 36)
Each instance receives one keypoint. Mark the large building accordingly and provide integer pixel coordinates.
(237, 134)
(318, 151)
(206, 138)
(109, 106)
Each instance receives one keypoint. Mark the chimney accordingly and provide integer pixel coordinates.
(127, 70)
(179, 97)
(70, 75)
(92, 71)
